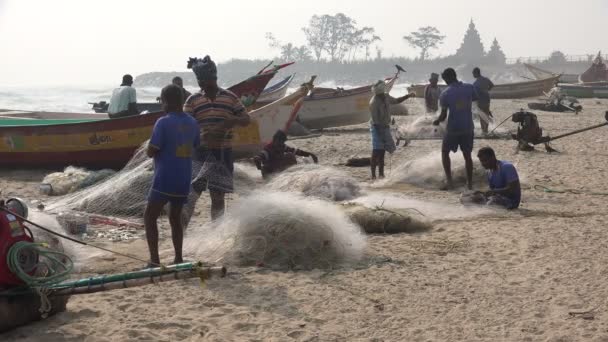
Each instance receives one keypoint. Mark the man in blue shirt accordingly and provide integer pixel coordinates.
(457, 99)
(174, 138)
(503, 180)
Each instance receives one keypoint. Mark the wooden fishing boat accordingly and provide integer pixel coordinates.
(517, 90)
(586, 90)
(110, 143)
(540, 74)
(597, 72)
(276, 91)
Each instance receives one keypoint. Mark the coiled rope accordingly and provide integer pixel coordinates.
(51, 268)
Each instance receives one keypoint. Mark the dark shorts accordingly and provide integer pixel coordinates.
(155, 196)
(452, 141)
(382, 139)
(216, 171)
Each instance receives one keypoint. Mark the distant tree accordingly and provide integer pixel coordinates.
(425, 39)
(289, 52)
(362, 38)
(471, 49)
(495, 55)
(340, 30)
(317, 34)
(557, 57)
(302, 54)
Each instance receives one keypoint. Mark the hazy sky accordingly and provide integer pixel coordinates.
(57, 42)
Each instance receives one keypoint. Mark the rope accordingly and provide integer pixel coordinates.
(569, 191)
(55, 269)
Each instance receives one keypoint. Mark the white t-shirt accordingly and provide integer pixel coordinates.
(121, 97)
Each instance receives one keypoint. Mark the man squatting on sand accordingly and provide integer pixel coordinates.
(277, 156)
(217, 111)
(503, 180)
(382, 140)
(174, 138)
(457, 99)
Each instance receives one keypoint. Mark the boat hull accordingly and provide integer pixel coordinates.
(110, 143)
(518, 90)
(276, 91)
(327, 108)
(584, 91)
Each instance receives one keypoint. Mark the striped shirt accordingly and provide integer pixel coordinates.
(211, 116)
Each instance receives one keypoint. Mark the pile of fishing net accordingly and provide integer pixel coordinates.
(279, 231)
(125, 194)
(316, 181)
(380, 220)
(427, 172)
(422, 128)
(73, 179)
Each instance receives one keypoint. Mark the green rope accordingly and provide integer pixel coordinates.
(56, 265)
(569, 191)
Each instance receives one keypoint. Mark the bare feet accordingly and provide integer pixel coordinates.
(446, 187)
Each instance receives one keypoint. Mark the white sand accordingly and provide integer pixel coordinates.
(480, 276)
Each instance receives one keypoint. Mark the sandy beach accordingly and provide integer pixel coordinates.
(532, 274)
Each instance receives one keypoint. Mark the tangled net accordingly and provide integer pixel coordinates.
(279, 231)
(73, 179)
(427, 172)
(380, 220)
(317, 181)
(422, 128)
(125, 194)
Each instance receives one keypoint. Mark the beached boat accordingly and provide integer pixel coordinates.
(328, 107)
(540, 74)
(517, 90)
(110, 143)
(276, 91)
(597, 72)
(586, 90)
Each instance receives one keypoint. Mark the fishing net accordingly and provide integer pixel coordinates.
(427, 172)
(380, 220)
(422, 128)
(73, 179)
(279, 231)
(125, 194)
(317, 181)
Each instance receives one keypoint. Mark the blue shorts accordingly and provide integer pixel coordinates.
(216, 170)
(156, 196)
(452, 141)
(382, 139)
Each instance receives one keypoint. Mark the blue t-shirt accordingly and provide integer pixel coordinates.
(482, 87)
(176, 135)
(503, 175)
(458, 99)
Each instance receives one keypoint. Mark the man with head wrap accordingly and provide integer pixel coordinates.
(382, 140)
(217, 111)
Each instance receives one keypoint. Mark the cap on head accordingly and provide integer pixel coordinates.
(434, 77)
(379, 88)
(127, 79)
(204, 69)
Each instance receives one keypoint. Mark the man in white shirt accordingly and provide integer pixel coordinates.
(124, 99)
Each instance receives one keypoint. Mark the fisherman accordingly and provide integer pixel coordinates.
(382, 140)
(174, 138)
(180, 83)
(483, 85)
(217, 111)
(503, 180)
(457, 99)
(277, 156)
(124, 99)
(431, 94)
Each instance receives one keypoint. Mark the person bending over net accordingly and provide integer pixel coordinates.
(173, 140)
(505, 190)
(217, 111)
(277, 156)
